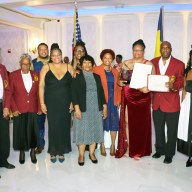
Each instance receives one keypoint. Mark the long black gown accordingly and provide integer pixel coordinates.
(185, 147)
(57, 100)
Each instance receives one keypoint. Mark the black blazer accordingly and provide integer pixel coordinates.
(78, 92)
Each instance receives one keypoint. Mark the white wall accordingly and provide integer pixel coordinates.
(118, 32)
(16, 41)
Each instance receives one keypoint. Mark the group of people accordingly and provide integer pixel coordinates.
(49, 86)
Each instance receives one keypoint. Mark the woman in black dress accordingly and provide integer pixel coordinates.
(55, 79)
(184, 143)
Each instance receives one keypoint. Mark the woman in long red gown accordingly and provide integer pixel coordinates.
(134, 138)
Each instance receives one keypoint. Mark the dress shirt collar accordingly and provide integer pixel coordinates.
(163, 67)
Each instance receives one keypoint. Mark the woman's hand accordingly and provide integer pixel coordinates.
(39, 113)
(104, 112)
(43, 108)
(5, 112)
(78, 113)
(71, 108)
(144, 90)
(16, 113)
(121, 83)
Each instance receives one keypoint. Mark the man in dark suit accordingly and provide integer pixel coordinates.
(4, 118)
(42, 59)
(166, 105)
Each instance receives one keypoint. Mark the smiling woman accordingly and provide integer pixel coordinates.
(25, 107)
(109, 77)
(90, 106)
(56, 78)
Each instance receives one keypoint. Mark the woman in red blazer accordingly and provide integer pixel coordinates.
(25, 107)
(109, 78)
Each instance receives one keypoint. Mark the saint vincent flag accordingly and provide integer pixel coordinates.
(159, 35)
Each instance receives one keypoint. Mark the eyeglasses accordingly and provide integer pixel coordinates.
(139, 50)
(80, 50)
(26, 65)
(56, 55)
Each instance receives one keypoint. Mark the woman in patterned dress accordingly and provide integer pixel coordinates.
(90, 106)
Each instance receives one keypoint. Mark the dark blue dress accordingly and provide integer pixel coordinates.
(111, 123)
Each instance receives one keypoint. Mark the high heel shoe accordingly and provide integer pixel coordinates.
(188, 163)
(112, 150)
(93, 161)
(61, 158)
(81, 163)
(33, 156)
(53, 159)
(102, 150)
(22, 157)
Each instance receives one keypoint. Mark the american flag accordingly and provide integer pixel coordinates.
(77, 29)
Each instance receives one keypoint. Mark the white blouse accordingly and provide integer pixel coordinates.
(27, 80)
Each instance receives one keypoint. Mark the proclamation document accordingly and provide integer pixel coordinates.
(140, 75)
(157, 83)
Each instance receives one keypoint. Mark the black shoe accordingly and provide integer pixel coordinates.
(188, 163)
(7, 165)
(167, 160)
(81, 163)
(22, 157)
(156, 155)
(33, 157)
(93, 161)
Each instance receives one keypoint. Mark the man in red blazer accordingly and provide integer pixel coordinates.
(4, 119)
(166, 105)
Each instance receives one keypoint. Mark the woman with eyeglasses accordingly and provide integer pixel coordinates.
(78, 52)
(134, 137)
(55, 83)
(25, 107)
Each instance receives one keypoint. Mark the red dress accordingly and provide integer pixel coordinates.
(139, 123)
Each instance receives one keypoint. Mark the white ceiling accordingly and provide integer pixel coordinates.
(35, 11)
(60, 8)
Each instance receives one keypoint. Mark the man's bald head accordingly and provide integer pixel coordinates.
(165, 49)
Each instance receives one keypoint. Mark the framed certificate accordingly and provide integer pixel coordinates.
(157, 83)
(140, 75)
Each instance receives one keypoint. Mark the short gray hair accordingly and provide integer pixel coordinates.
(25, 55)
